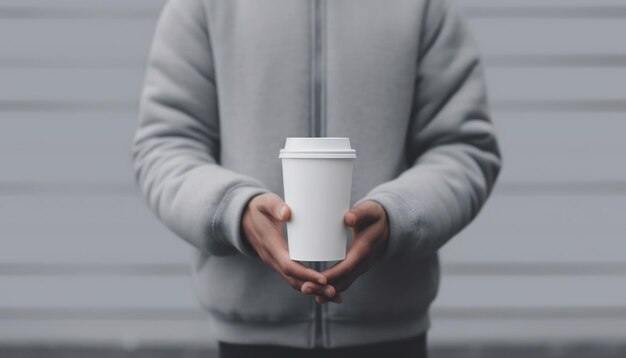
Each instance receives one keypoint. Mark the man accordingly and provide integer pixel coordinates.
(229, 80)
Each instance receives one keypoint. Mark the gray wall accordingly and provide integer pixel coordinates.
(82, 259)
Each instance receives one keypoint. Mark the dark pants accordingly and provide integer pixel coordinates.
(407, 348)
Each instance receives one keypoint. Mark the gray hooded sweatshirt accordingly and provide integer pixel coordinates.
(228, 80)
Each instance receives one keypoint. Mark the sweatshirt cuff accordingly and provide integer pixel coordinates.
(226, 226)
(404, 230)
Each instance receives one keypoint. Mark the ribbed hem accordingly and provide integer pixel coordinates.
(226, 224)
(350, 333)
(293, 334)
(401, 218)
(339, 333)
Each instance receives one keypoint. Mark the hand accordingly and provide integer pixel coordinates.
(370, 233)
(262, 222)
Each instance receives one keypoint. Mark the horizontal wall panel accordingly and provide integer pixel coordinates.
(543, 229)
(537, 269)
(556, 84)
(97, 269)
(71, 85)
(67, 148)
(87, 230)
(85, 4)
(94, 293)
(610, 60)
(561, 147)
(128, 333)
(87, 39)
(607, 332)
(546, 293)
(532, 3)
(529, 310)
(549, 36)
(548, 12)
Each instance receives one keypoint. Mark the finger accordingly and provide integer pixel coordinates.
(274, 206)
(322, 290)
(337, 299)
(349, 219)
(359, 256)
(296, 269)
(306, 287)
(361, 214)
(345, 282)
(284, 213)
(294, 282)
(277, 249)
(371, 236)
(357, 251)
(299, 271)
(309, 288)
(327, 291)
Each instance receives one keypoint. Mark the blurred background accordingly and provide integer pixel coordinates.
(86, 268)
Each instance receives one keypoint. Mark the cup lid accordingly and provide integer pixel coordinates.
(317, 147)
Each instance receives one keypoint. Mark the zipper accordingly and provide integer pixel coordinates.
(318, 98)
(318, 117)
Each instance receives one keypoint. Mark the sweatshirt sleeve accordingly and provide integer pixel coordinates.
(176, 143)
(451, 149)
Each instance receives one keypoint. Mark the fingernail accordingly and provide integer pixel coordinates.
(321, 280)
(306, 289)
(329, 291)
(281, 212)
(351, 219)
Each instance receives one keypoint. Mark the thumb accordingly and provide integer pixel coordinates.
(350, 218)
(278, 209)
(358, 214)
(283, 212)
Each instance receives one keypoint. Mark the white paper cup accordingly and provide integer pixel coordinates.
(317, 178)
